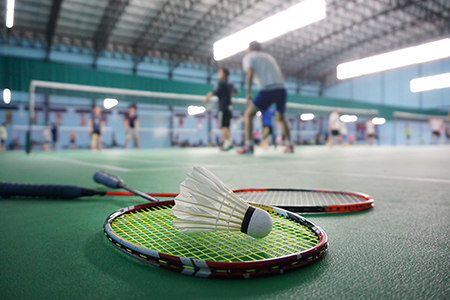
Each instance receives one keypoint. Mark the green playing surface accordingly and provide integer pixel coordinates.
(55, 249)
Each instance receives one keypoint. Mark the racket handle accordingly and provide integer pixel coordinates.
(109, 180)
(11, 189)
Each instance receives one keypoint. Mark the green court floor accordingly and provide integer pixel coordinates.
(55, 249)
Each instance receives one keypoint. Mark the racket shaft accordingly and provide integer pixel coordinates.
(10, 189)
(122, 193)
(143, 195)
(116, 182)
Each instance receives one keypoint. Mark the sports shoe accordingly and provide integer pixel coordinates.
(289, 149)
(245, 150)
(226, 148)
(264, 145)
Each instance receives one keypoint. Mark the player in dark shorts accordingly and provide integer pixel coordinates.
(262, 68)
(96, 124)
(131, 124)
(224, 90)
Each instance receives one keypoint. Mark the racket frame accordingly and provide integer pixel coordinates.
(366, 200)
(213, 269)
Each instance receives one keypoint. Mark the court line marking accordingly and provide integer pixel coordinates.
(159, 169)
(420, 179)
(148, 161)
(183, 165)
(82, 163)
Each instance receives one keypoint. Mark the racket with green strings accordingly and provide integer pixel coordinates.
(145, 232)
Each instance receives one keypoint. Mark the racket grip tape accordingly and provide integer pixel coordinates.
(109, 180)
(11, 189)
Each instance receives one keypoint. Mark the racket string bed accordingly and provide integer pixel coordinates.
(135, 228)
(215, 254)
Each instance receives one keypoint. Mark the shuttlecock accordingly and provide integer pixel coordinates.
(205, 203)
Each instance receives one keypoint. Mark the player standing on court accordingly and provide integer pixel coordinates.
(224, 90)
(370, 131)
(96, 125)
(54, 131)
(333, 125)
(264, 69)
(3, 136)
(436, 123)
(407, 133)
(131, 124)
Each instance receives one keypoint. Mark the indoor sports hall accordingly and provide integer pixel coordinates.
(224, 149)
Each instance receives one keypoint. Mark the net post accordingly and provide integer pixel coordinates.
(171, 119)
(32, 113)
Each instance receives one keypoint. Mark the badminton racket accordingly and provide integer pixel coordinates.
(296, 200)
(10, 189)
(146, 232)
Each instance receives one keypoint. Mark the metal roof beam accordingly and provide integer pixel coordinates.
(111, 16)
(307, 46)
(366, 38)
(51, 26)
(167, 16)
(214, 20)
(440, 18)
(359, 43)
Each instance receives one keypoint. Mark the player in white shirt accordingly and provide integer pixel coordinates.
(436, 123)
(263, 68)
(370, 131)
(47, 135)
(334, 125)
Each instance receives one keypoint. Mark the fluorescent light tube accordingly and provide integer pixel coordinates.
(395, 59)
(348, 118)
(195, 110)
(7, 96)
(295, 17)
(430, 83)
(110, 103)
(10, 13)
(307, 117)
(378, 121)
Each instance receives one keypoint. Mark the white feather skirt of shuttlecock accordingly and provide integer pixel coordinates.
(205, 203)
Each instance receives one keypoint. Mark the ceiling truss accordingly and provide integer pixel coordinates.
(181, 32)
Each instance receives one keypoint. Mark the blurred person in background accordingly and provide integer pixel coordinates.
(131, 124)
(3, 136)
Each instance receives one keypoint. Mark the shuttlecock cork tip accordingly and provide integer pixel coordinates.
(257, 222)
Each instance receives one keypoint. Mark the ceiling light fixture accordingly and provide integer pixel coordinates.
(395, 59)
(295, 17)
